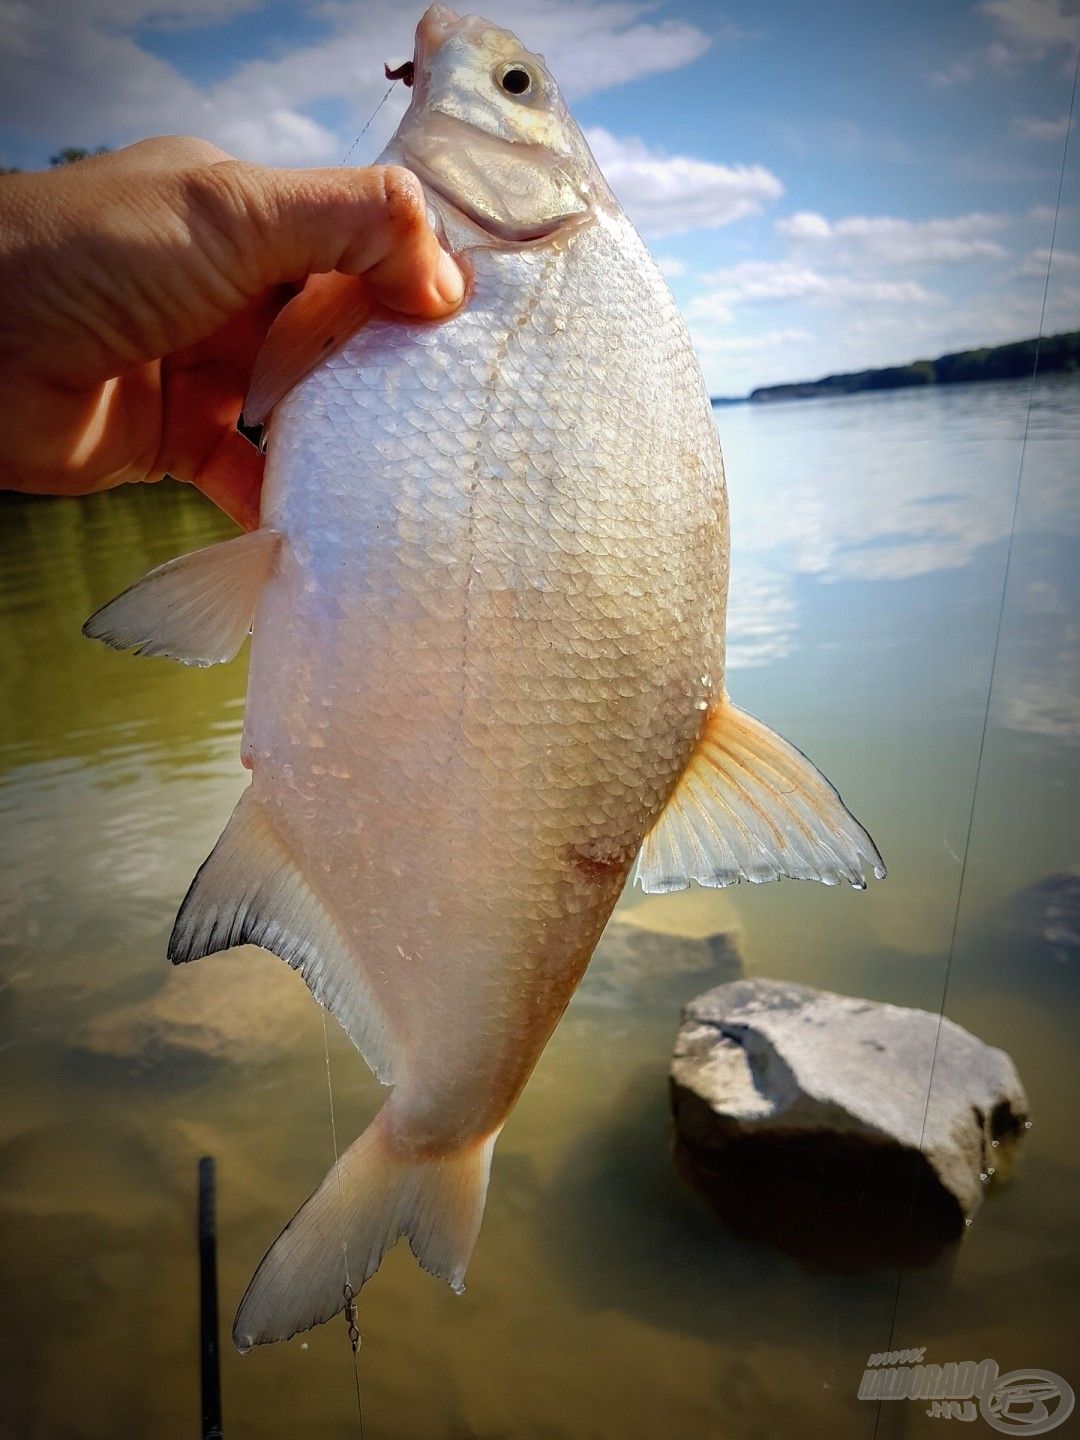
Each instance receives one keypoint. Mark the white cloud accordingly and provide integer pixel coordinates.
(588, 47)
(840, 138)
(861, 336)
(670, 194)
(1036, 261)
(101, 86)
(1045, 214)
(1032, 128)
(671, 266)
(804, 225)
(758, 282)
(598, 44)
(954, 73)
(734, 361)
(853, 288)
(1027, 30)
(896, 241)
(81, 77)
(710, 342)
(1039, 24)
(991, 166)
(173, 14)
(995, 56)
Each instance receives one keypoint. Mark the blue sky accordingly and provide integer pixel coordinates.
(828, 186)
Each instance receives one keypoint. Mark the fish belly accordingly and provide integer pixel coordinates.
(489, 647)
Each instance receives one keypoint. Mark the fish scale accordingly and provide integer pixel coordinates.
(513, 752)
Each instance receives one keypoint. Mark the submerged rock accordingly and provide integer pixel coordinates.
(839, 1090)
(1048, 915)
(647, 952)
(242, 1006)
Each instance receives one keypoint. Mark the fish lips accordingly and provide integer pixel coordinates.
(489, 211)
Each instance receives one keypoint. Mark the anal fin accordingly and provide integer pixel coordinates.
(749, 806)
(197, 608)
(250, 891)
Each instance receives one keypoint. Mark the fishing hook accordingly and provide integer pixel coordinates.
(404, 73)
(350, 1316)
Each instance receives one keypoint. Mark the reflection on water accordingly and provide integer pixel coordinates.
(811, 498)
(606, 1297)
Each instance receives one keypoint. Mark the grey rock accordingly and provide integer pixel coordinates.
(786, 1066)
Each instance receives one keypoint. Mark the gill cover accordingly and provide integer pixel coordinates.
(487, 130)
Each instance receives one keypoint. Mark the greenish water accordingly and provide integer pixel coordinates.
(605, 1299)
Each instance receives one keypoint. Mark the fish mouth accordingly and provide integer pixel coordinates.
(507, 232)
(436, 26)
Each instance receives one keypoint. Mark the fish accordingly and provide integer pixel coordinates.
(487, 605)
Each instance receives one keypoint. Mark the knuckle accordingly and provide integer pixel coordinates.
(226, 210)
(233, 197)
(198, 150)
(231, 182)
(212, 191)
(177, 149)
(403, 196)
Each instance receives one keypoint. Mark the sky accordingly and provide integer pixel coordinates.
(828, 186)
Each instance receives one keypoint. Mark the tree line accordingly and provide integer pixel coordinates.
(67, 155)
(1015, 361)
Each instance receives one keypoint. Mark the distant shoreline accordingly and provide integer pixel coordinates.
(1015, 361)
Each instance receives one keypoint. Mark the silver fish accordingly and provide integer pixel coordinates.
(488, 608)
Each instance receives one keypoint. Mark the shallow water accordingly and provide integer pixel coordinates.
(606, 1298)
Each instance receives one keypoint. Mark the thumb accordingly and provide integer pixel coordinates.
(260, 226)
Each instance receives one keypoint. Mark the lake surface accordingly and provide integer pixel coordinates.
(606, 1298)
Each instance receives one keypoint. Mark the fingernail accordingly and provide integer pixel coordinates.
(449, 281)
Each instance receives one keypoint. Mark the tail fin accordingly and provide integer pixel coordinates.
(369, 1200)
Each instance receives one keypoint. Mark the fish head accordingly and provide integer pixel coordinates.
(489, 132)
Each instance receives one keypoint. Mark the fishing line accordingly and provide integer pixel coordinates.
(990, 687)
(371, 119)
(347, 1290)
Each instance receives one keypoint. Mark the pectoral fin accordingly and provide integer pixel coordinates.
(328, 310)
(749, 806)
(197, 608)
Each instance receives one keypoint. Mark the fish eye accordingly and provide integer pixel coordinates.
(516, 80)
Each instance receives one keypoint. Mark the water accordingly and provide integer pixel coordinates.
(605, 1298)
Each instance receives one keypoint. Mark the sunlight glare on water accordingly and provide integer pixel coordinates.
(605, 1298)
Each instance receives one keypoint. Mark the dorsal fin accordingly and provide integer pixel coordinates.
(749, 806)
(329, 309)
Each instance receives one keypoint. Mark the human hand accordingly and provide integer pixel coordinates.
(138, 287)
